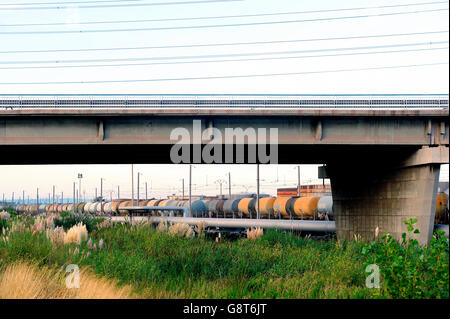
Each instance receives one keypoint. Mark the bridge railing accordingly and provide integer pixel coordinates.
(226, 101)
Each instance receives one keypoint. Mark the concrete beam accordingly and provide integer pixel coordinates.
(427, 155)
(292, 130)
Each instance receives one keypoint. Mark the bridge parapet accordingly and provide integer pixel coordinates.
(226, 101)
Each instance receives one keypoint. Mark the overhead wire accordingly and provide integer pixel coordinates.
(219, 61)
(220, 55)
(225, 76)
(227, 44)
(219, 25)
(229, 16)
(62, 6)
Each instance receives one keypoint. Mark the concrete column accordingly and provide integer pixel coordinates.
(384, 192)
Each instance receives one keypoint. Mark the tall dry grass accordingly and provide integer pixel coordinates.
(27, 281)
(254, 233)
(181, 230)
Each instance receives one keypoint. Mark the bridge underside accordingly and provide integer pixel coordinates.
(383, 168)
(160, 154)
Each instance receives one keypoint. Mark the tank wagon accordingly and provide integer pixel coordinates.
(281, 207)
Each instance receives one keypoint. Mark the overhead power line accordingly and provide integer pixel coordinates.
(220, 25)
(220, 55)
(66, 2)
(217, 77)
(227, 16)
(64, 6)
(217, 61)
(227, 44)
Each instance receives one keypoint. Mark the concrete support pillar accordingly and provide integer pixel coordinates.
(385, 192)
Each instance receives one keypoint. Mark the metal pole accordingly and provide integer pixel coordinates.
(73, 206)
(62, 197)
(37, 198)
(138, 174)
(257, 190)
(3, 201)
(53, 202)
(146, 193)
(96, 193)
(23, 197)
(182, 187)
(190, 190)
(132, 185)
(118, 192)
(229, 185)
(78, 197)
(79, 187)
(101, 195)
(298, 185)
(13, 198)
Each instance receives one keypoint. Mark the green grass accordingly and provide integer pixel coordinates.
(276, 265)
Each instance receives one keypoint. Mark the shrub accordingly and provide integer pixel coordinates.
(409, 270)
(72, 219)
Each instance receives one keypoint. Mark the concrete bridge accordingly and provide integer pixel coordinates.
(383, 152)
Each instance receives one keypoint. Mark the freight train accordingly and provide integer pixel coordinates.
(286, 207)
(282, 207)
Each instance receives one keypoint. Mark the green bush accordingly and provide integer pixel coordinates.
(409, 270)
(69, 220)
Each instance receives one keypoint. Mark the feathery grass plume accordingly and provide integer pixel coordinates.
(190, 233)
(38, 226)
(105, 224)
(100, 244)
(28, 281)
(377, 230)
(254, 233)
(4, 215)
(76, 234)
(180, 230)
(357, 237)
(162, 226)
(49, 221)
(56, 235)
(200, 227)
(139, 224)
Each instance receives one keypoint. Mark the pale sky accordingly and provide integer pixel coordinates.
(371, 25)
